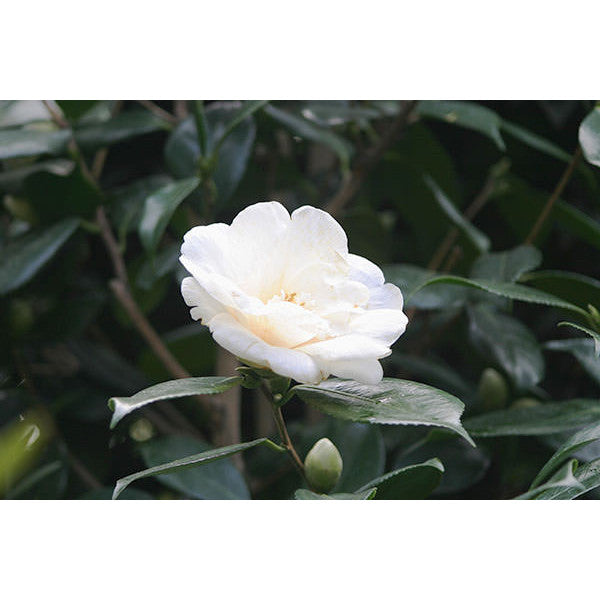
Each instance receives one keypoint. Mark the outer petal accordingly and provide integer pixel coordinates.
(204, 306)
(365, 271)
(386, 296)
(346, 347)
(384, 324)
(228, 333)
(369, 371)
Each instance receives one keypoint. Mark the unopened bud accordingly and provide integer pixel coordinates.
(323, 466)
(493, 390)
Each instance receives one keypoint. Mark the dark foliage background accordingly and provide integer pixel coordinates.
(434, 185)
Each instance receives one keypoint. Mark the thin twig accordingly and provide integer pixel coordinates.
(285, 437)
(558, 190)
(352, 184)
(157, 111)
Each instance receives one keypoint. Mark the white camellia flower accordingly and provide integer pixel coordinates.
(282, 292)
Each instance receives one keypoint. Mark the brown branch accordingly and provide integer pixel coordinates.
(352, 184)
(285, 437)
(558, 190)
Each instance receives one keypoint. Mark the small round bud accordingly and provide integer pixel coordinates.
(323, 466)
(493, 390)
(525, 402)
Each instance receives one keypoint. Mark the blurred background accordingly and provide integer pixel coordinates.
(96, 196)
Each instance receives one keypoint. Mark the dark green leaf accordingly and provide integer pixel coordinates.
(509, 343)
(466, 114)
(123, 127)
(75, 109)
(478, 239)
(248, 109)
(535, 141)
(177, 388)
(308, 130)
(23, 258)
(203, 458)
(589, 137)
(415, 482)
(562, 480)
(550, 417)
(391, 402)
(588, 479)
(105, 493)
(15, 143)
(514, 291)
(303, 494)
(159, 208)
(593, 334)
(584, 350)
(578, 440)
(508, 265)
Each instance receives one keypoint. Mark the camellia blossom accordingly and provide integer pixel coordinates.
(282, 292)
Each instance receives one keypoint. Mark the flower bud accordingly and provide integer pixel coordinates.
(323, 466)
(525, 403)
(493, 390)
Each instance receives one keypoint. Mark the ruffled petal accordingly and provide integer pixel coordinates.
(386, 296)
(365, 271)
(203, 305)
(369, 371)
(384, 324)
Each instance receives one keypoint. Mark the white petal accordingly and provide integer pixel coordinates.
(228, 333)
(365, 271)
(386, 296)
(204, 306)
(384, 324)
(369, 371)
(346, 347)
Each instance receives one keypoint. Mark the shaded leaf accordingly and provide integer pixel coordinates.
(588, 479)
(105, 493)
(550, 417)
(584, 350)
(159, 208)
(23, 258)
(303, 494)
(202, 458)
(506, 266)
(593, 334)
(562, 480)
(414, 482)
(535, 141)
(15, 143)
(177, 388)
(391, 402)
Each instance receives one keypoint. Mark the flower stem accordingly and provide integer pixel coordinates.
(285, 437)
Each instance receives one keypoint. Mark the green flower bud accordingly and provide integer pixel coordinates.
(525, 403)
(323, 466)
(493, 390)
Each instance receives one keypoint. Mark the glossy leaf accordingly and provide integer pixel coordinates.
(159, 208)
(479, 239)
(508, 265)
(465, 114)
(514, 291)
(414, 482)
(562, 480)
(550, 417)
(578, 440)
(584, 350)
(303, 494)
(391, 402)
(177, 388)
(308, 130)
(15, 143)
(588, 479)
(589, 137)
(23, 258)
(509, 343)
(180, 464)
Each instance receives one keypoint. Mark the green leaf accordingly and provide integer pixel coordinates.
(248, 109)
(391, 402)
(303, 494)
(415, 482)
(21, 112)
(105, 493)
(180, 464)
(514, 291)
(564, 478)
(182, 150)
(479, 239)
(15, 143)
(412, 281)
(588, 478)
(214, 481)
(509, 343)
(123, 127)
(177, 388)
(159, 208)
(465, 114)
(535, 141)
(22, 259)
(508, 265)
(589, 137)
(593, 334)
(584, 350)
(578, 440)
(550, 417)
(308, 130)
(75, 109)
